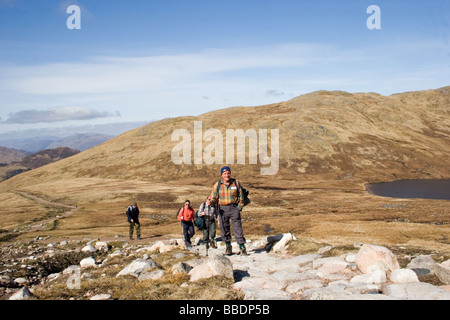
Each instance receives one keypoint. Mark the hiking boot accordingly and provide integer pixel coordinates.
(213, 245)
(243, 251)
(228, 251)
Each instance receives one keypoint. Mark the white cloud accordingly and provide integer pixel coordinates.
(116, 74)
(56, 115)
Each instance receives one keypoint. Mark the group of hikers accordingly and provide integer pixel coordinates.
(224, 204)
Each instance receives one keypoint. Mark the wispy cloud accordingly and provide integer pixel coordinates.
(132, 74)
(56, 115)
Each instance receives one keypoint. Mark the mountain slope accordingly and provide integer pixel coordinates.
(81, 141)
(34, 161)
(332, 135)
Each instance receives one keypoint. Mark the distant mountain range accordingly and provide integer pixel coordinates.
(32, 161)
(8, 155)
(79, 142)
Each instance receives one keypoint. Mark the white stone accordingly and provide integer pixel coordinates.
(442, 271)
(101, 245)
(117, 253)
(215, 266)
(422, 262)
(403, 276)
(88, 263)
(103, 296)
(21, 281)
(88, 248)
(280, 245)
(22, 294)
(371, 254)
(137, 267)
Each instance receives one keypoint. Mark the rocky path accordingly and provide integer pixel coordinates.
(69, 210)
(372, 273)
(269, 272)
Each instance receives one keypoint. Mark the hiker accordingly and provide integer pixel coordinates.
(228, 195)
(208, 213)
(133, 220)
(186, 215)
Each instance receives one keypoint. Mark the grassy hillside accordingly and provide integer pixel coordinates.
(330, 144)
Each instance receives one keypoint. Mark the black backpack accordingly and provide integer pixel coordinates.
(199, 222)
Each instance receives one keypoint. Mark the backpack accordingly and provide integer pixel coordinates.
(199, 222)
(244, 191)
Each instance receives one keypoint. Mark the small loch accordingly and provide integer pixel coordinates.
(438, 189)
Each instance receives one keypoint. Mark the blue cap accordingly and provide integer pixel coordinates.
(224, 169)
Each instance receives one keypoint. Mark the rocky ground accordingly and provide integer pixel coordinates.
(165, 269)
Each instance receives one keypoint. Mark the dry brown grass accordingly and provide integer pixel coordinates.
(332, 215)
(169, 287)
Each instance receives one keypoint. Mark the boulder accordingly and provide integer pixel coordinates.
(372, 254)
(22, 294)
(88, 248)
(403, 276)
(88, 263)
(215, 266)
(137, 267)
(181, 267)
(422, 265)
(153, 275)
(442, 271)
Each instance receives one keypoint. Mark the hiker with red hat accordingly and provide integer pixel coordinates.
(228, 195)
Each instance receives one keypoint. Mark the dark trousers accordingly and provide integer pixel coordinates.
(209, 233)
(188, 232)
(227, 213)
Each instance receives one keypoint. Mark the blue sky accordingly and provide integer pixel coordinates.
(143, 60)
